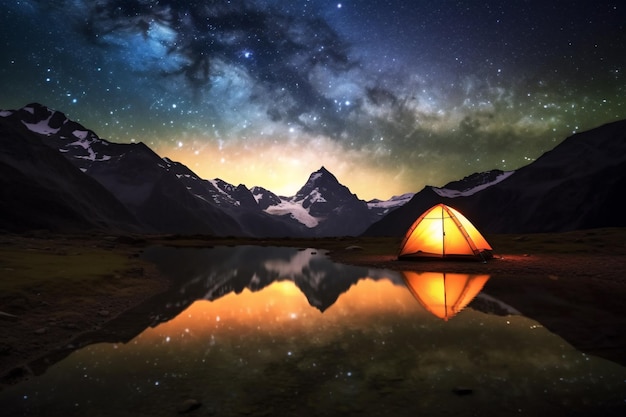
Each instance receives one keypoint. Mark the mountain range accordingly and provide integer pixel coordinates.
(577, 185)
(57, 175)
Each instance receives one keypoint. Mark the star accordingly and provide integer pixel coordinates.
(493, 85)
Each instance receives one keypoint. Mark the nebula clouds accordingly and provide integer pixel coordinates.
(389, 96)
(202, 42)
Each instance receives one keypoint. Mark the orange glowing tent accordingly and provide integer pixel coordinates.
(443, 232)
(444, 294)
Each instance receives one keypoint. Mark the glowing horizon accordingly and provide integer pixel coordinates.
(282, 171)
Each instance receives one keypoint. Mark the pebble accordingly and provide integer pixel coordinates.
(188, 406)
(462, 391)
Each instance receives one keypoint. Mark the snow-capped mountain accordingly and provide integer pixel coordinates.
(59, 175)
(472, 184)
(380, 208)
(577, 185)
(40, 189)
(162, 195)
(264, 198)
(323, 199)
(324, 206)
(414, 204)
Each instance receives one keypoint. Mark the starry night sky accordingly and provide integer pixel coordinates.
(389, 95)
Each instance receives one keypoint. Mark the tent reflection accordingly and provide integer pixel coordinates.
(444, 294)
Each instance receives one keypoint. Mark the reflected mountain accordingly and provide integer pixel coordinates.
(269, 352)
(211, 273)
(444, 294)
(218, 274)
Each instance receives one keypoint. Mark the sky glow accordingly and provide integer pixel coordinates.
(387, 95)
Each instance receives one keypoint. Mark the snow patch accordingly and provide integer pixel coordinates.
(314, 176)
(90, 157)
(316, 196)
(85, 144)
(456, 193)
(5, 113)
(41, 127)
(393, 202)
(295, 210)
(80, 134)
(199, 196)
(188, 176)
(216, 184)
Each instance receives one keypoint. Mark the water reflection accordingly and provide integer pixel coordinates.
(444, 294)
(211, 273)
(287, 332)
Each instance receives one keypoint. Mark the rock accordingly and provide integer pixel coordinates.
(104, 313)
(188, 406)
(7, 315)
(462, 391)
(354, 248)
(41, 330)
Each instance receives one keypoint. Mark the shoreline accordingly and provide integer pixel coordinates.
(583, 273)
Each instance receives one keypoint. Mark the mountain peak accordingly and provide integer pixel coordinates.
(264, 197)
(38, 112)
(321, 176)
(43, 120)
(319, 180)
(144, 183)
(323, 193)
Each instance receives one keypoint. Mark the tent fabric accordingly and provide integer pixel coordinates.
(444, 294)
(442, 231)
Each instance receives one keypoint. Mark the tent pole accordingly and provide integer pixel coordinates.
(443, 235)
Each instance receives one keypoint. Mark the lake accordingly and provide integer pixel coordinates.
(269, 331)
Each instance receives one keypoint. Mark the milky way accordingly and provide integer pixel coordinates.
(388, 95)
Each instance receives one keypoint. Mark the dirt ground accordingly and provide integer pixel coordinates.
(53, 289)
